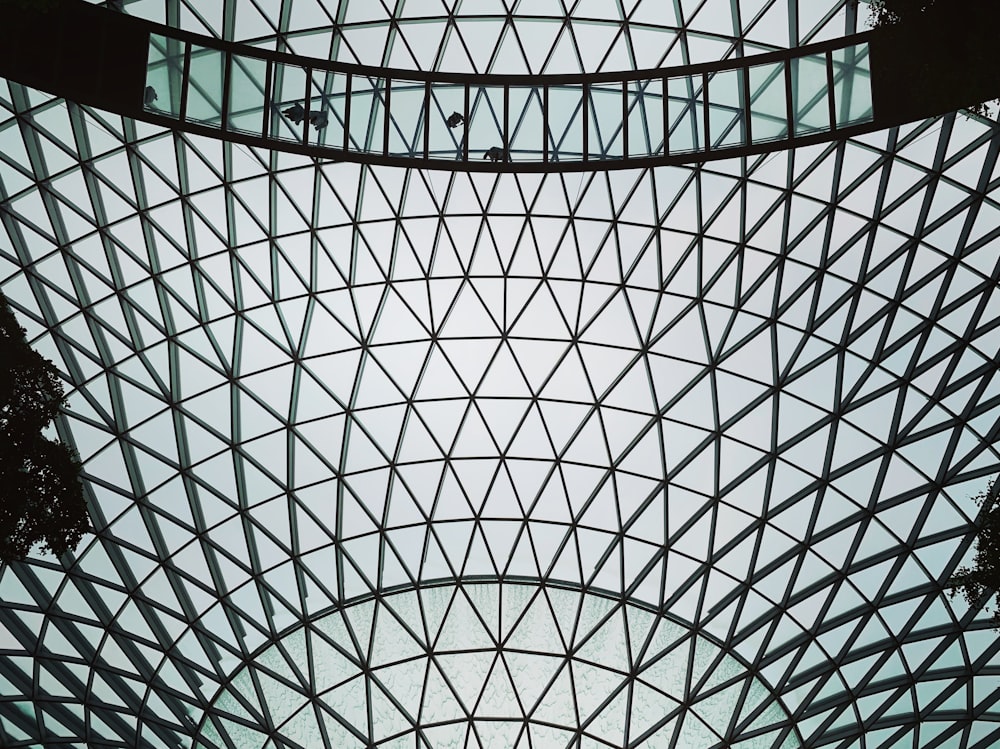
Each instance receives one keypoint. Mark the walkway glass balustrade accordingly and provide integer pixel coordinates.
(557, 119)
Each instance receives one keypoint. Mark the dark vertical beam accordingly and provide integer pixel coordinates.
(747, 126)
(268, 98)
(347, 111)
(506, 121)
(666, 118)
(427, 119)
(307, 105)
(625, 85)
(545, 123)
(831, 100)
(468, 123)
(185, 83)
(387, 114)
(789, 100)
(227, 67)
(706, 112)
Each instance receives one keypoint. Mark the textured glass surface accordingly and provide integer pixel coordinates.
(514, 661)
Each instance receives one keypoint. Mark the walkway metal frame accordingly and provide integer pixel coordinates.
(808, 95)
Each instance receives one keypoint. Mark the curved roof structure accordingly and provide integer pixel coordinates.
(391, 457)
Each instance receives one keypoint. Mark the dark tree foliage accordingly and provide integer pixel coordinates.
(889, 12)
(41, 498)
(964, 29)
(983, 577)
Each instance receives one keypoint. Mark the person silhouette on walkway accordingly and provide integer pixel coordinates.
(497, 154)
(295, 113)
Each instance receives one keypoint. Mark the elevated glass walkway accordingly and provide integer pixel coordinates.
(524, 123)
(795, 97)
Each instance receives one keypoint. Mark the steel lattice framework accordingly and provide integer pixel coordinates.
(673, 457)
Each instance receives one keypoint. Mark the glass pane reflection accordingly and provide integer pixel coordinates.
(204, 89)
(565, 124)
(605, 135)
(527, 126)
(810, 95)
(246, 94)
(164, 75)
(852, 88)
(768, 105)
(367, 125)
(486, 120)
(685, 114)
(726, 118)
(645, 117)
(406, 128)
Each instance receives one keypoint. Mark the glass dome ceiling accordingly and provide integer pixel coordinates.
(674, 457)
